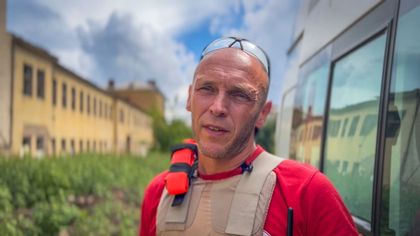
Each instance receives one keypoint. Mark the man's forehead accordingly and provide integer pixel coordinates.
(232, 63)
(227, 81)
(228, 55)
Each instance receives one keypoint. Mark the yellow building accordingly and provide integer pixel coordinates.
(46, 109)
(146, 96)
(5, 80)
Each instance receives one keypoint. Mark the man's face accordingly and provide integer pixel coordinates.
(227, 101)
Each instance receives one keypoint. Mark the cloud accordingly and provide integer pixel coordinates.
(129, 52)
(140, 40)
(166, 16)
(269, 23)
(40, 24)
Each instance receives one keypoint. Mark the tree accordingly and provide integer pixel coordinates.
(265, 136)
(168, 134)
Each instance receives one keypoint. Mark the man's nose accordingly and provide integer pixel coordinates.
(219, 105)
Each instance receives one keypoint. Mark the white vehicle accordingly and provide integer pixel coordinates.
(350, 106)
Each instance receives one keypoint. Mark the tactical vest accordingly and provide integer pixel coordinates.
(233, 206)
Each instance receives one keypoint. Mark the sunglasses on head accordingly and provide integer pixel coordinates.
(243, 44)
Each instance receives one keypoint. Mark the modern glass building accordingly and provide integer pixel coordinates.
(350, 107)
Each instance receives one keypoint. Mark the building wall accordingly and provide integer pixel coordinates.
(32, 116)
(133, 129)
(3, 16)
(5, 81)
(318, 27)
(83, 123)
(147, 100)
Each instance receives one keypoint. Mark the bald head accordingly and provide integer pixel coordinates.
(239, 64)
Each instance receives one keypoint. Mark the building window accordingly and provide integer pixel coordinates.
(401, 183)
(94, 106)
(343, 130)
(121, 116)
(39, 143)
(100, 108)
(26, 144)
(81, 101)
(345, 103)
(334, 127)
(73, 99)
(72, 147)
(64, 95)
(369, 124)
(308, 110)
(80, 146)
(88, 104)
(54, 92)
(353, 126)
(53, 146)
(40, 84)
(63, 145)
(27, 80)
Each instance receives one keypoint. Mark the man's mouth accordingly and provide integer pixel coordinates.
(215, 128)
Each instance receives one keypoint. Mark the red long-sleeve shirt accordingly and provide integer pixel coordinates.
(317, 207)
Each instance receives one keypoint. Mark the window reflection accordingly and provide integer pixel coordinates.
(401, 194)
(352, 125)
(308, 113)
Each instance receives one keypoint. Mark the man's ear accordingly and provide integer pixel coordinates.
(189, 99)
(263, 114)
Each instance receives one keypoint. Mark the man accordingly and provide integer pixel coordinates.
(238, 188)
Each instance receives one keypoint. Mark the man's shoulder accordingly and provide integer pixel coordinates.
(300, 176)
(157, 183)
(292, 171)
(289, 165)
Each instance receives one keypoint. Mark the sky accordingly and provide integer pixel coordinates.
(140, 40)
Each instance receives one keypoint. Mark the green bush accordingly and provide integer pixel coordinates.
(84, 195)
(168, 134)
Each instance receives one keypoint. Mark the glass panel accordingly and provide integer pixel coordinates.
(401, 194)
(308, 113)
(64, 95)
(54, 92)
(352, 125)
(40, 87)
(27, 80)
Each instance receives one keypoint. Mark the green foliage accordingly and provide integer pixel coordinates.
(168, 134)
(265, 136)
(84, 195)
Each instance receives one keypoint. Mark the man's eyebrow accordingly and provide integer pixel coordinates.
(252, 92)
(201, 81)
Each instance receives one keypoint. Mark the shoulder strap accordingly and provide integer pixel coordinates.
(245, 201)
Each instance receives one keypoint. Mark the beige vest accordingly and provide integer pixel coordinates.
(234, 206)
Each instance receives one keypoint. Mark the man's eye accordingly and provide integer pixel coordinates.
(205, 89)
(241, 97)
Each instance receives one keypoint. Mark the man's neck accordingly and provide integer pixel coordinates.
(209, 166)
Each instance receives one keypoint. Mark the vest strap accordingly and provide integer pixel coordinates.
(245, 201)
(179, 214)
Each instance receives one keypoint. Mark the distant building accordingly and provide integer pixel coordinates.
(146, 96)
(46, 109)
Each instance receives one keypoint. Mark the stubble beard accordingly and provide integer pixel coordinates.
(232, 148)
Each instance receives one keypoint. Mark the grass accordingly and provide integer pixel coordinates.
(81, 195)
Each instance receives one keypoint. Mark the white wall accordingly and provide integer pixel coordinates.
(327, 19)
